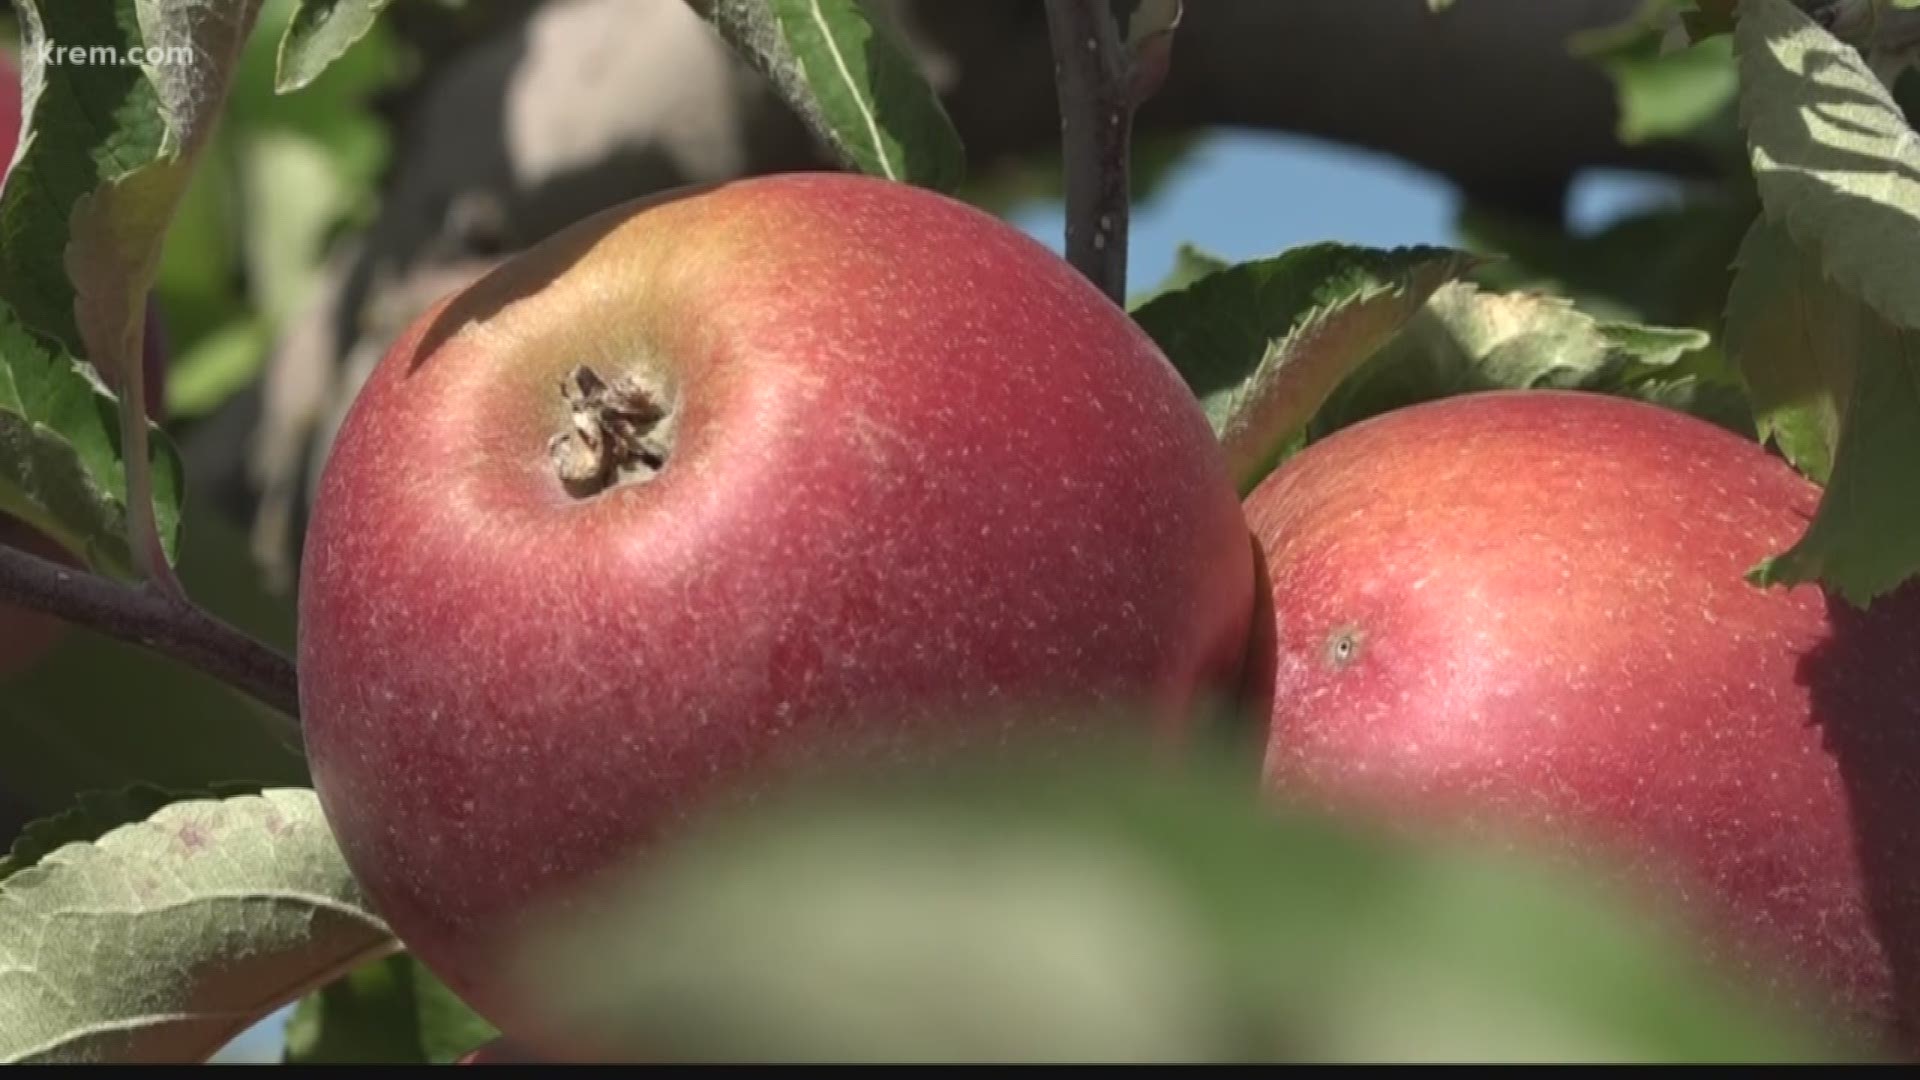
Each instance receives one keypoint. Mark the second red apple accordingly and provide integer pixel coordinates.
(1528, 612)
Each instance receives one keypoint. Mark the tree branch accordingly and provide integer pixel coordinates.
(1090, 71)
(153, 620)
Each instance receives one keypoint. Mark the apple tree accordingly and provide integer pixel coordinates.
(793, 616)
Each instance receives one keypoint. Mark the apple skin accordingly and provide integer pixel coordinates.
(925, 477)
(1524, 613)
(26, 636)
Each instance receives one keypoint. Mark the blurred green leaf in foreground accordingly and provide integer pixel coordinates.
(1113, 912)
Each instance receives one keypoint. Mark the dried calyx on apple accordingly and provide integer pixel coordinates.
(616, 432)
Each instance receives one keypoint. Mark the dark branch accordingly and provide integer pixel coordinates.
(146, 617)
(1090, 71)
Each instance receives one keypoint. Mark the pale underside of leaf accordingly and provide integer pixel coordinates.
(1263, 343)
(1259, 418)
(855, 87)
(163, 939)
(1466, 340)
(1537, 341)
(1836, 162)
(96, 813)
(320, 32)
(116, 229)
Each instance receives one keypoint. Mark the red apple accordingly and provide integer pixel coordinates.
(856, 466)
(1525, 613)
(26, 636)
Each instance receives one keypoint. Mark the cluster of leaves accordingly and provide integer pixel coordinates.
(267, 189)
(1173, 921)
(1817, 326)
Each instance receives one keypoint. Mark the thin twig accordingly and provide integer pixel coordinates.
(1090, 69)
(144, 616)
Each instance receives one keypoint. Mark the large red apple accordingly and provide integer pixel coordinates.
(849, 466)
(25, 636)
(1527, 612)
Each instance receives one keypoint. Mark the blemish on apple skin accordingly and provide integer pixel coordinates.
(1343, 647)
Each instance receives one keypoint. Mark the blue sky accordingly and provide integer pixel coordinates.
(1244, 195)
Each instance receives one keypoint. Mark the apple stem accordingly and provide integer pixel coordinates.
(143, 528)
(1093, 78)
(158, 621)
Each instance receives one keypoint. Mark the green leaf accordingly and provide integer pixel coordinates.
(97, 812)
(338, 110)
(1114, 910)
(391, 1012)
(60, 457)
(320, 33)
(164, 939)
(108, 148)
(286, 176)
(1882, 30)
(1664, 93)
(1794, 338)
(851, 81)
(1263, 343)
(1838, 170)
(118, 101)
(1838, 389)
(1835, 160)
(1865, 538)
(1467, 341)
